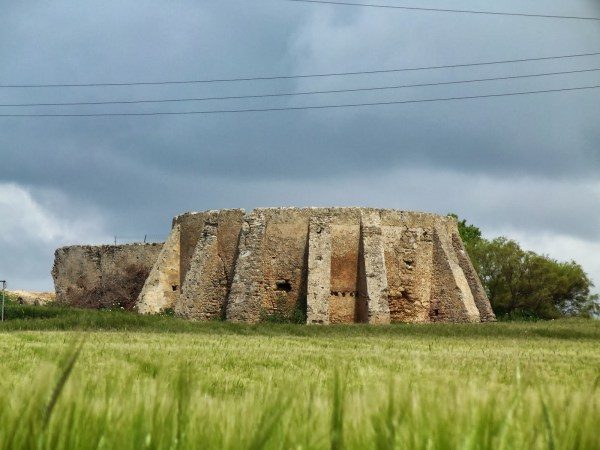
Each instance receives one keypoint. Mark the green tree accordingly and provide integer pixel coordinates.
(470, 234)
(520, 282)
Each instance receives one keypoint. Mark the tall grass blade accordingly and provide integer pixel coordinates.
(387, 422)
(337, 414)
(183, 401)
(66, 370)
(596, 384)
(270, 418)
(549, 426)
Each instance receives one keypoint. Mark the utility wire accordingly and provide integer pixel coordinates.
(297, 108)
(290, 94)
(459, 11)
(287, 77)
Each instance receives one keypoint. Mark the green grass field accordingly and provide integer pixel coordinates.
(158, 382)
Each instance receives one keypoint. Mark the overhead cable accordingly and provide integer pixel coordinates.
(297, 108)
(291, 94)
(457, 11)
(287, 77)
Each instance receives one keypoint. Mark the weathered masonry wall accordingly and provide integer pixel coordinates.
(322, 265)
(162, 287)
(105, 276)
(207, 277)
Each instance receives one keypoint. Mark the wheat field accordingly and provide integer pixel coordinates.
(94, 380)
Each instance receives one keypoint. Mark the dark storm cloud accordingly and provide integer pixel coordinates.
(531, 163)
(306, 145)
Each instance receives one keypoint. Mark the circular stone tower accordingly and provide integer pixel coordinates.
(316, 265)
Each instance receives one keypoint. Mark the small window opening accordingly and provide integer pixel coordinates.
(174, 287)
(283, 285)
(436, 312)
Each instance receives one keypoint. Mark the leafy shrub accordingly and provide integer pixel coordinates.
(523, 285)
(282, 312)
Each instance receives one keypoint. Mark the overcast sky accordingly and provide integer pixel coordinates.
(527, 167)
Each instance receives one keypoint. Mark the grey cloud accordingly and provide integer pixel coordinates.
(521, 162)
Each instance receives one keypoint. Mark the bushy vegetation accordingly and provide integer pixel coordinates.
(117, 380)
(115, 292)
(283, 312)
(524, 284)
(22, 318)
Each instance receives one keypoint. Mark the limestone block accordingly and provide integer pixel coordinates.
(191, 225)
(244, 303)
(452, 299)
(479, 295)
(162, 289)
(210, 270)
(409, 264)
(319, 271)
(205, 287)
(345, 303)
(283, 264)
(374, 269)
(33, 298)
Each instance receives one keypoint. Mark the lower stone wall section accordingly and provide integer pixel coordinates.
(104, 276)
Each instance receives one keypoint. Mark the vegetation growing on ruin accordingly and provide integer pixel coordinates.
(141, 385)
(282, 312)
(524, 284)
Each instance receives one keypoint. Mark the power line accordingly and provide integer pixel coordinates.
(287, 77)
(297, 108)
(458, 11)
(290, 94)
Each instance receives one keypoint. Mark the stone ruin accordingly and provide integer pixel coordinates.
(102, 276)
(315, 265)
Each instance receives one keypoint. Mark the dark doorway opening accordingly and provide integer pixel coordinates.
(283, 285)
